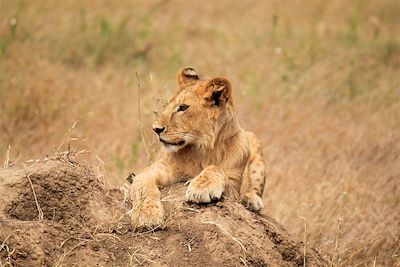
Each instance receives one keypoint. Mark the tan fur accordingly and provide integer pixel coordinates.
(205, 143)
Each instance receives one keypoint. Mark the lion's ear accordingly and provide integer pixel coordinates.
(186, 76)
(218, 91)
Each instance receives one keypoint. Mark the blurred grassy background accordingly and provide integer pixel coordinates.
(317, 81)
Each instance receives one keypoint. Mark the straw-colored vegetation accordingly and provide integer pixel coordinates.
(317, 81)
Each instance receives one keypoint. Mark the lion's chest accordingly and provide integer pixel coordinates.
(192, 165)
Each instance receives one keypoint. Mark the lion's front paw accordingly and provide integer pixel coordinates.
(203, 189)
(252, 201)
(149, 215)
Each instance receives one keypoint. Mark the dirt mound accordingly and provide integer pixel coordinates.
(57, 213)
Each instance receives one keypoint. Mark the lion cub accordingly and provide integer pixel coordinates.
(202, 141)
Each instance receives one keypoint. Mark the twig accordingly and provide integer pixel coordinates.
(243, 261)
(3, 245)
(396, 247)
(138, 89)
(34, 195)
(33, 190)
(9, 253)
(191, 209)
(336, 250)
(226, 231)
(62, 257)
(103, 168)
(143, 135)
(140, 124)
(140, 255)
(190, 241)
(7, 160)
(68, 133)
(305, 241)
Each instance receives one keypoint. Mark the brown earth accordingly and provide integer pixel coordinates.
(56, 213)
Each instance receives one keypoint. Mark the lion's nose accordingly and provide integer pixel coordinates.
(158, 130)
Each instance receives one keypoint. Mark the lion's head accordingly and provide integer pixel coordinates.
(196, 114)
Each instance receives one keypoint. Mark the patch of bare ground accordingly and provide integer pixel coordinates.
(56, 213)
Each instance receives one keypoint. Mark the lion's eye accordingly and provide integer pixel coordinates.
(182, 108)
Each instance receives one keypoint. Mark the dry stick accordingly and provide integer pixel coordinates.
(131, 256)
(226, 232)
(3, 245)
(243, 261)
(231, 236)
(142, 134)
(36, 201)
(68, 133)
(140, 125)
(102, 165)
(138, 87)
(336, 251)
(60, 260)
(33, 190)
(194, 210)
(331, 215)
(190, 241)
(396, 246)
(40, 215)
(9, 253)
(305, 241)
(7, 160)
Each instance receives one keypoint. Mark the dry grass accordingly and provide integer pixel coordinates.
(9, 253)
(317, 81)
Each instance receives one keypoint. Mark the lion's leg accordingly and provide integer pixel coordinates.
(207, 186)
(147, 210)
(253, 179)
